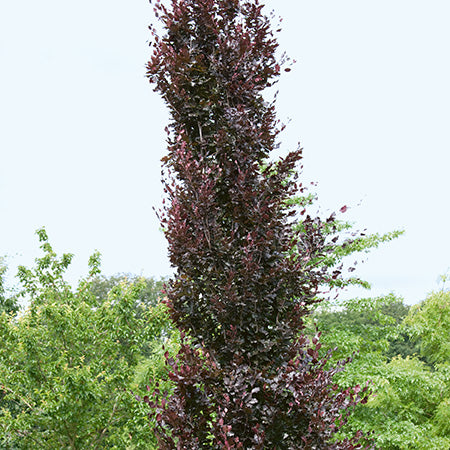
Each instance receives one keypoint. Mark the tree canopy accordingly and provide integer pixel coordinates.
(410, 378)
(68, 362)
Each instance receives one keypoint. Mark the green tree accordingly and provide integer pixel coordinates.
(69, 361)
(428, 323)
(409, 410)
(8, 306)
(372, 323)
(8, 302)
(150, 294)
(410, 407)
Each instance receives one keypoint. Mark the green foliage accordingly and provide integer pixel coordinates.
(343, 242)
(148, 299)
(8, 302)
(409, 410)
(367, 243)
(364, 325)
(150, 294)
(442, 418)
(429, 324)
(67, 364)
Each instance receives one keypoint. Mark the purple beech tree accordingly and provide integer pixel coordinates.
(245, 377)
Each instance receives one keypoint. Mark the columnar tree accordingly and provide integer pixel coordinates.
(246, 376)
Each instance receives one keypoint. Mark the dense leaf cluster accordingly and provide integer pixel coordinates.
(245, 279)
(69, 361)
(8, 301)
(410, 378)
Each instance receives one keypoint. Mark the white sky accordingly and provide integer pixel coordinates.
(81, 131)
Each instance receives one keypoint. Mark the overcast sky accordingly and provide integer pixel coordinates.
(81, 131)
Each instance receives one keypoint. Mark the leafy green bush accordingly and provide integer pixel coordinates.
(68, 362)
(409, 409)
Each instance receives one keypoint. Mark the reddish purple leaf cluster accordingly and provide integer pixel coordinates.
(246, 377)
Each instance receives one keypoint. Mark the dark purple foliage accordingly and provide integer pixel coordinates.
(246, 377)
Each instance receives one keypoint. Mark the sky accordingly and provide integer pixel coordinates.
(82, 132)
